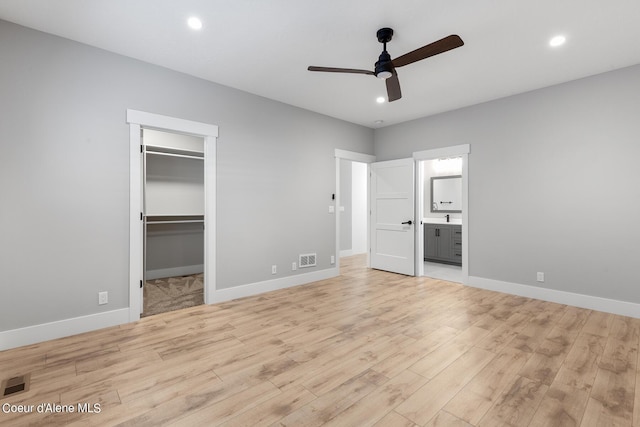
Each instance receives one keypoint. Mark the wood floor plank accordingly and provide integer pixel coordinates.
(597, 415)
(479, 395)
(437, 360)
(224, 410)
(517, 405)
(272, 410)
(326, 407)
(425, 403)
(393, 419)
(365, 348)
(614, 384)
(445, 419)
(407, 356)
(581, 364)
(636, 405)
(561, 406)
(598, 323)
(377, 404)
(547, 359)
(333, 376)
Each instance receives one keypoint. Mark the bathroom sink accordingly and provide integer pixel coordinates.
(457, 221)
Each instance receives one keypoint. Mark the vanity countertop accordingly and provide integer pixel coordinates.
(456, 221)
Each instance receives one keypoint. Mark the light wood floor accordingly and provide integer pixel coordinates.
(366, 348)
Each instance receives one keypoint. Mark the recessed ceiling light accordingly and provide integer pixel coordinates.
(194, 23)
(380, 99)
(557, 41)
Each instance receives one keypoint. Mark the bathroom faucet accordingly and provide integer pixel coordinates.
(447, 216)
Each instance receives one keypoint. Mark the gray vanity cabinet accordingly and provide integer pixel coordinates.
(443, 243)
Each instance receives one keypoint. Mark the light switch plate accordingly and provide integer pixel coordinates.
(332, 209)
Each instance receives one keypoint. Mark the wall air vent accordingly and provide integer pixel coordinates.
(307, 260)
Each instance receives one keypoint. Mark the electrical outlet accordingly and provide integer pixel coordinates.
(332, 209)
(103, 298)
(294, 267)
(540, 276)
(333, 259)
(274, 269)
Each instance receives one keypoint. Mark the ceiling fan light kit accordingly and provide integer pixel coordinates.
(385, 67)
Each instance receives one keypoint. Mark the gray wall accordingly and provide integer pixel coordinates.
(562, 163)
(64, 175)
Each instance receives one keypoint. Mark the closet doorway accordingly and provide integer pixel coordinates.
(173, 221)
(172, 210)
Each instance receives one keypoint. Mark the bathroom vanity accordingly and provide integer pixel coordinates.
(443, 243)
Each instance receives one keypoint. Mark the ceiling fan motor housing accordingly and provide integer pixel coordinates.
(384, 67)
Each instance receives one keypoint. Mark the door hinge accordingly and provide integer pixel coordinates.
(140, 216)
(141, 150)
(140, 284)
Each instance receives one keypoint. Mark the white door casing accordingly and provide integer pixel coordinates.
(392, 216)
(137, 120)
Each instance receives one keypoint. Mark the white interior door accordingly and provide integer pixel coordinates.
(392, 216)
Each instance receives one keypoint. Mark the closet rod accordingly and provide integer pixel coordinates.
(186, 156)
(186, 221)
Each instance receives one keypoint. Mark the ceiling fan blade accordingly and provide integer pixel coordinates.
(340, 70)
(393, 87)
(450, 42)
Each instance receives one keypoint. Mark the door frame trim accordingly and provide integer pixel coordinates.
(141, 119)
(463, 151)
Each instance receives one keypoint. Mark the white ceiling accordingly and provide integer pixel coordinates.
(264, 46)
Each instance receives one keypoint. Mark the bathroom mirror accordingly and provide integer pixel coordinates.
(446, 194)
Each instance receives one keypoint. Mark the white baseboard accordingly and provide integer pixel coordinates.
(77, 325)
(174, 272)
(221, 295)
(62, 328)
(622, 308)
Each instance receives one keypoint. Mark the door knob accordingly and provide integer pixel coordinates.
(408, 222)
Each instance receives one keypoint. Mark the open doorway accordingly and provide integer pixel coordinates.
(353, 208)
(173, 217)
(352, 205)
(204, 219)
(442, 217)
(442, 206)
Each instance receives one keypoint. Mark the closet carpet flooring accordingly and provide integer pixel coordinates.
(173, 293)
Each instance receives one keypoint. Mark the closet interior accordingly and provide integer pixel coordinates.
(173, 216)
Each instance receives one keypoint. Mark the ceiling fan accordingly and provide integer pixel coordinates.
(385, 68)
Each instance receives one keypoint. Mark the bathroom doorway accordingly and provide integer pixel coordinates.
(442, 209)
